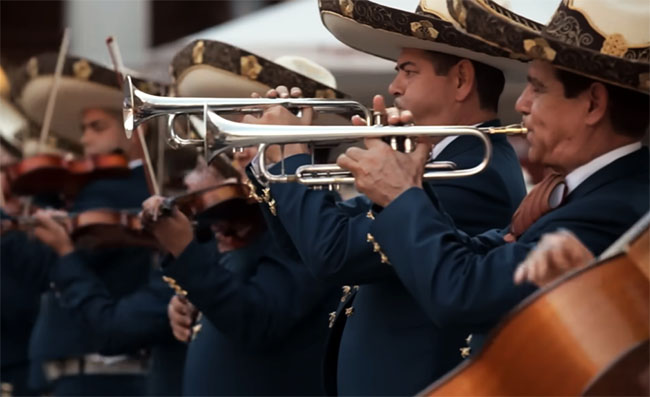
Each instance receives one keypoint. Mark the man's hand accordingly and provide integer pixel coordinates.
(181, 316)
(380, 172)
(279, 115)
(391, 116)
(54, 233)
(173, 232)
(555, 254)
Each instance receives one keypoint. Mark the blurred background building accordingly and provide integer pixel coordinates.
(150, 32)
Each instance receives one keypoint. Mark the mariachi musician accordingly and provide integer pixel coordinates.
(20, 296)
(586, 107)
(103, 304)
(264, 316)
(382, 341)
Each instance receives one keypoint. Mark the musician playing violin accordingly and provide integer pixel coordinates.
(103, 305)
(19, 302)
(102, 133)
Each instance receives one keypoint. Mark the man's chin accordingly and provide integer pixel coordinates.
(534, 156)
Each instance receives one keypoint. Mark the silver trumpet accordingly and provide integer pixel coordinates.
(233, 135)
(138, 107)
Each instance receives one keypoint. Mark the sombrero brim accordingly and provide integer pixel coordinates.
(207, 68)
(526, 39)
(384, 31)
(13, 126)
(83, 85)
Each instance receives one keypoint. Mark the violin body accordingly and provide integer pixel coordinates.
(43, 173)
(585, 334)
(52, 173)
(100, 166)
(224, 198)
(103, 228)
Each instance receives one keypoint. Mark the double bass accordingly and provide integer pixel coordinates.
(585, 334)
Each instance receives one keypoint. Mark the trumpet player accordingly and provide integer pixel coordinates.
(382, 341)
(264, 316)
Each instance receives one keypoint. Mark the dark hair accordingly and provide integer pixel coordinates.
(628, 110)
(489, 80)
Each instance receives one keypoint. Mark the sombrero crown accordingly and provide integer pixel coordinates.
(84, 84)
(603, 39)
(207, 68)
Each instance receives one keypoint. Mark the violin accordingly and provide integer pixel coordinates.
(226, 198)
(97, 228)
(50, 173)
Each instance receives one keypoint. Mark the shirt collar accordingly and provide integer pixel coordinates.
(440, 146)
(580, 174)
(135, 163)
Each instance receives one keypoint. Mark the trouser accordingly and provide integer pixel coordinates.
(100, 385)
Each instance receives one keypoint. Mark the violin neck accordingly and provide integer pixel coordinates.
(26, 223)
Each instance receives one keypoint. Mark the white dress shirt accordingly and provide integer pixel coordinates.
(580, 174)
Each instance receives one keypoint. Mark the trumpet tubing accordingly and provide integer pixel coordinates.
(233, 134)
(138, 106)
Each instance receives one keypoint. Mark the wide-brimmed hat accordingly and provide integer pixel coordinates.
(207, 68)
(602, 39)
(384, 31)
(84, 84)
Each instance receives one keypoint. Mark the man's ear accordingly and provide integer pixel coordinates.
(465, 77)
(598, 98)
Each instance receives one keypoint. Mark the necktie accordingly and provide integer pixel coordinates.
(535, 205)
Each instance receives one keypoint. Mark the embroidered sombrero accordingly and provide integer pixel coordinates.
(384, 31)
(84, 84)
(206, 68)
(606, 40)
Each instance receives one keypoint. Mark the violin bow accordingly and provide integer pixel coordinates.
(152, 181)
(51, 100)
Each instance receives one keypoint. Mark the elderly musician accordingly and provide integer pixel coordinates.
(586, 109)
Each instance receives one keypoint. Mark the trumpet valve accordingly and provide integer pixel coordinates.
(378, 118)
(408, 145)
(400, 143)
